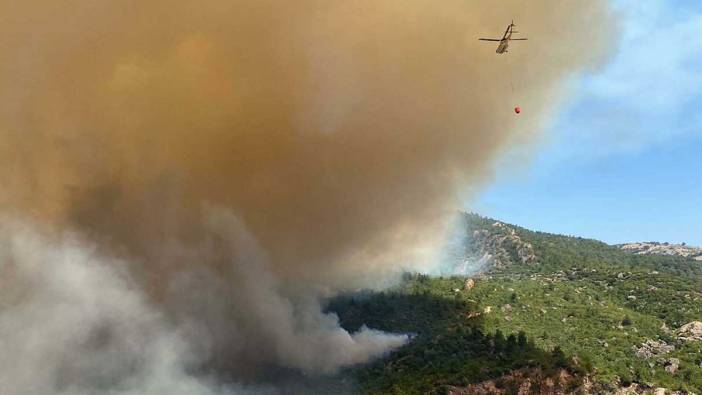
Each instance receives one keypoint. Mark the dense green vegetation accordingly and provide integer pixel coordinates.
(583, 308)
(447, 347)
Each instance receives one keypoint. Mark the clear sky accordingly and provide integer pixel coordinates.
(622, 160)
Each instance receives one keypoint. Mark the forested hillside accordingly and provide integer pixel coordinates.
(547, 314)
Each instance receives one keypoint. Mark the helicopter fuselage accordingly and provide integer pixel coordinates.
(502, 47)
(504, 41)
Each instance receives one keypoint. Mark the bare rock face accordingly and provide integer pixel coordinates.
(524, 388)
(654, 248)
(525, 381)
(499, 246)
(691, 331)
(671, 365)
(469, 284)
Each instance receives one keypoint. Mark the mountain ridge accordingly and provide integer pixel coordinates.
(658, 248)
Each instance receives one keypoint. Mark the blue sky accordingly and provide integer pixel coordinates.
(622, 159)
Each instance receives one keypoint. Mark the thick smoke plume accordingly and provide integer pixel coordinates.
(222, 165)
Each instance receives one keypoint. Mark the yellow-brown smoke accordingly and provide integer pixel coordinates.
(336, 133)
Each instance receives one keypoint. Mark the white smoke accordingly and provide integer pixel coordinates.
(73, 321)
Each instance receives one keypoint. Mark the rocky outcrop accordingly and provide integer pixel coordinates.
(691, 331)
(655, 349)
(654, 248)
(638, 389)
(498, 246)
(671, 365)
(469, 284)
(522, 382)
(652, 348)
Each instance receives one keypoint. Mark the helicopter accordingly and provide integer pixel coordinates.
(505, 40)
